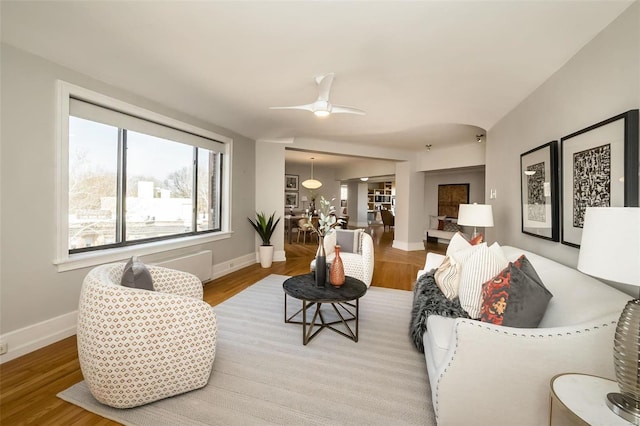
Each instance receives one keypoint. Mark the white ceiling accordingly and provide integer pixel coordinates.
(425, 72)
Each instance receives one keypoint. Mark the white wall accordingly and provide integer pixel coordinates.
(451, 157)
(330, 186)
(600, 81)
(32, 290)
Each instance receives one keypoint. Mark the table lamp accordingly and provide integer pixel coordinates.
(475, 215)
(610, 249)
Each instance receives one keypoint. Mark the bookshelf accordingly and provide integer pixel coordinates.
(381, 196)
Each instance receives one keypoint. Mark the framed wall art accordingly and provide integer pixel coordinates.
(291, 199)
(290, 182)
(450, 196)
(599, 167)
(540, 209)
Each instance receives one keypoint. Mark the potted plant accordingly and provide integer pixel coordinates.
(265, 227)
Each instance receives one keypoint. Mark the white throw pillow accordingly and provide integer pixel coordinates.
(482, 265)
(458, 242)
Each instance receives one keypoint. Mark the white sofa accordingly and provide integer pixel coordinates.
(483, 374)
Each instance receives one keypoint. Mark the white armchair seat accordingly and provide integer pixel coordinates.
(137, 346)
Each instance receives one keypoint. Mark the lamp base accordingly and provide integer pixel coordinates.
(619, 405)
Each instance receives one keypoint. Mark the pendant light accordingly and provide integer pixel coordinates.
(312, 183)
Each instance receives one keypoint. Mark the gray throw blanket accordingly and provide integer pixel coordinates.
(428, 299)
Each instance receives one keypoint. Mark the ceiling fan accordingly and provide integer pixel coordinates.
(322, 107)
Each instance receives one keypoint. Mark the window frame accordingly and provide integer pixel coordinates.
(66, 261)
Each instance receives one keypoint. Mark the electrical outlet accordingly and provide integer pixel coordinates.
(4, 348)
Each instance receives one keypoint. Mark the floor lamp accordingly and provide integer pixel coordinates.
(614, 255)
(475, 215)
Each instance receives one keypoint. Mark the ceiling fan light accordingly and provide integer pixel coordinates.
(312, 184)
(321, 113)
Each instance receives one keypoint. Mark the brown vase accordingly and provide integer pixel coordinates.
(336, 274)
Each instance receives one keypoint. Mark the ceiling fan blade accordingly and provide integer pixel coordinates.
(324, 86)
(341, 109)
(308, 107)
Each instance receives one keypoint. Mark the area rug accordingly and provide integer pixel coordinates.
(263, 374)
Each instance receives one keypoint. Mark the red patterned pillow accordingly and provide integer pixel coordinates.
(476, 240)
(440, 225)
(514, 298)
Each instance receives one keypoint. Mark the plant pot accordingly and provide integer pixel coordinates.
(266, 256)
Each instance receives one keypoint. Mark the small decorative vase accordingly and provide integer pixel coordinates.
(321, 264)
(337, 270)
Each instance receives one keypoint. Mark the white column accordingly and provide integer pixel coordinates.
(363, 189)
(270, 191)
(409, 208)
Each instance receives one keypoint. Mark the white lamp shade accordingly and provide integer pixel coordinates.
(610, 246)
(475, 215)
(312, 184)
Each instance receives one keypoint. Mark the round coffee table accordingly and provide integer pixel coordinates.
(303, 287)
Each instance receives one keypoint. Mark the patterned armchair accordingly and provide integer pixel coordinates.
(138, 346)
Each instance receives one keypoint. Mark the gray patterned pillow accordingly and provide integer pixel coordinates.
(136, 275)
(451, 227)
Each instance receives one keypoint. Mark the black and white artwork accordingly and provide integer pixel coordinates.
(591, 182)
(291, 199)
(599, 168)
(291, 182)
(535, 192)
(539, 192)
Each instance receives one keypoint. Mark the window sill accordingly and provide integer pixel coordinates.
(83, 260)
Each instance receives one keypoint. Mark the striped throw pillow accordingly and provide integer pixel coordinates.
(447, 278)
(481, 266)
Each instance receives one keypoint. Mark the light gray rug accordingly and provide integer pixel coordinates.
(263, 374)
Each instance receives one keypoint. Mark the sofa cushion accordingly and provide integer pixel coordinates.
(440, 331)
(136, 275)
(513, 298)
(478, 265)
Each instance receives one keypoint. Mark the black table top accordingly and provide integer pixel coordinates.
(303, 287)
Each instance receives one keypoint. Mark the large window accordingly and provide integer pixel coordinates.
(133, 180)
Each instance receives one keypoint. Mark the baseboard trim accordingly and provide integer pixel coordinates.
(37, 336)
(408, 246)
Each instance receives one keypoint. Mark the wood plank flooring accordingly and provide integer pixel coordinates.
(29, 384)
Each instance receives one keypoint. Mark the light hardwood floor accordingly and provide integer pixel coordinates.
(29, 384)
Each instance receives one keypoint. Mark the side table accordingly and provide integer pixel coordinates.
(580, 399)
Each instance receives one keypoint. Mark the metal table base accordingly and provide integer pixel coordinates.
(349, 313)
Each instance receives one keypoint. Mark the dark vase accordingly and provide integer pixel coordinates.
(336, 274)
(321, 264)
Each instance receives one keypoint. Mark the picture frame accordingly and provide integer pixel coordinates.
(540, 207)
(450, 196)
(291, 199)
(291, 182)
(599, 166)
